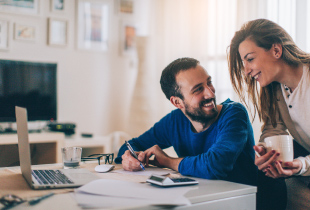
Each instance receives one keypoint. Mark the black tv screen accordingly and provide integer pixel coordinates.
(28, 84)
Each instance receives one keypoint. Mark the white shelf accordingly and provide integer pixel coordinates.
(37, 138)
(33, 138)
(103, 142)
(51, 152)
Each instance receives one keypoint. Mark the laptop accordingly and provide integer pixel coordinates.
(44, 179)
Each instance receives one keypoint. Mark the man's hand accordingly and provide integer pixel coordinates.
(290, 168)
(130, 163)
(161, 159)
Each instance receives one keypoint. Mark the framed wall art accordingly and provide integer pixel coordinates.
(93, 27)
(24, 32)
(128, 38)
(20, 6)
(57, 32)
(4, 42)
(57, 5)
(126, 6)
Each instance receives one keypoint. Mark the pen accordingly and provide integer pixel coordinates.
(134, 154)
(37, 200)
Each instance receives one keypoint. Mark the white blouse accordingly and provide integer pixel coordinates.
(298, 103)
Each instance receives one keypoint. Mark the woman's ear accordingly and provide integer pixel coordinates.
(177, 102)
(277, 50)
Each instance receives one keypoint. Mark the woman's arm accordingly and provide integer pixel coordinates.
(268, 129)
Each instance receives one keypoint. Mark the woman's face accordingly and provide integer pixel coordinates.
(260, 64)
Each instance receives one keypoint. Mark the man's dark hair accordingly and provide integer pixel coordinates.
(168, 77)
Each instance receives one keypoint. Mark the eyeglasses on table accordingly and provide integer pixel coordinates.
(9, 201)
(108, 158)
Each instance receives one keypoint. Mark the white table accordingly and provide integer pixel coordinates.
(208, 194)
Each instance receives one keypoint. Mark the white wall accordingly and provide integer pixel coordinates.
(93, 87)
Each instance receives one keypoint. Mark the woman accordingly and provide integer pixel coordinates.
(261, 51)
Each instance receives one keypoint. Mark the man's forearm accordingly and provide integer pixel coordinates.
(173, 163)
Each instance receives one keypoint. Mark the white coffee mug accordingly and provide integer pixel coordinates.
(282, 144)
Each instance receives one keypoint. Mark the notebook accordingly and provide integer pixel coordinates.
(43, 179)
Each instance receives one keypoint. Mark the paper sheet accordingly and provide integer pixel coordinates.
(97, 201)
(148, 171)
(118, 192)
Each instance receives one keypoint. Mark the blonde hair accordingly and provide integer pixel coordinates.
(264, 33)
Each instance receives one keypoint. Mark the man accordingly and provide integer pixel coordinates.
(212, 141)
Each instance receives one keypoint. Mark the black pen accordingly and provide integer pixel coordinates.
(134, 154)
(37, 200)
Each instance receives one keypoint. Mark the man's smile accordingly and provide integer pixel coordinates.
(208, 103)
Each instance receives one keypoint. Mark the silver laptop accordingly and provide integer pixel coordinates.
(42, 179)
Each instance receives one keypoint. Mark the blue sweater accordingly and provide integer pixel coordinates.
(224, 151)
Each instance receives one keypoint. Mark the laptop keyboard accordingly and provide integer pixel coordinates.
(51, 177)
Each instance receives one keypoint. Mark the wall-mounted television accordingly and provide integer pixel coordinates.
(31, 85)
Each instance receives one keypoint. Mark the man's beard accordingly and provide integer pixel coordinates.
(199, 115)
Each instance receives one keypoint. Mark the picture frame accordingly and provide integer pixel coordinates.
(128, 38)
(57, 6)
(30, 7)
(24, 32)
(4, 30)
(126, 6)
(57, 32)
(93, 19)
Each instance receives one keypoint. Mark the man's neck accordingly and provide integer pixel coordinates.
(198, 127)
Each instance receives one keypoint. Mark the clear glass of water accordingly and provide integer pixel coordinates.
(71, 157)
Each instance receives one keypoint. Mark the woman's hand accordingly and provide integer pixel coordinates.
(290, 168)
(265, 159)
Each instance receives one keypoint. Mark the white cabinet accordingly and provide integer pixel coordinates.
(93, 145)
(45, 148)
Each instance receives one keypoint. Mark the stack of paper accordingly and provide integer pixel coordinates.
(107, 193)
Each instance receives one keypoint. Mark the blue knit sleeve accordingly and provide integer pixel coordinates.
(219, 160)
(159, 134)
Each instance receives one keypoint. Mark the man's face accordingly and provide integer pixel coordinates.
(199, 94)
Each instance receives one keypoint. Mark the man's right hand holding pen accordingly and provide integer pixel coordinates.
(130, 163)
(133, 153)
(161, 159)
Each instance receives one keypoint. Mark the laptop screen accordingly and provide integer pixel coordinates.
(23, 143)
